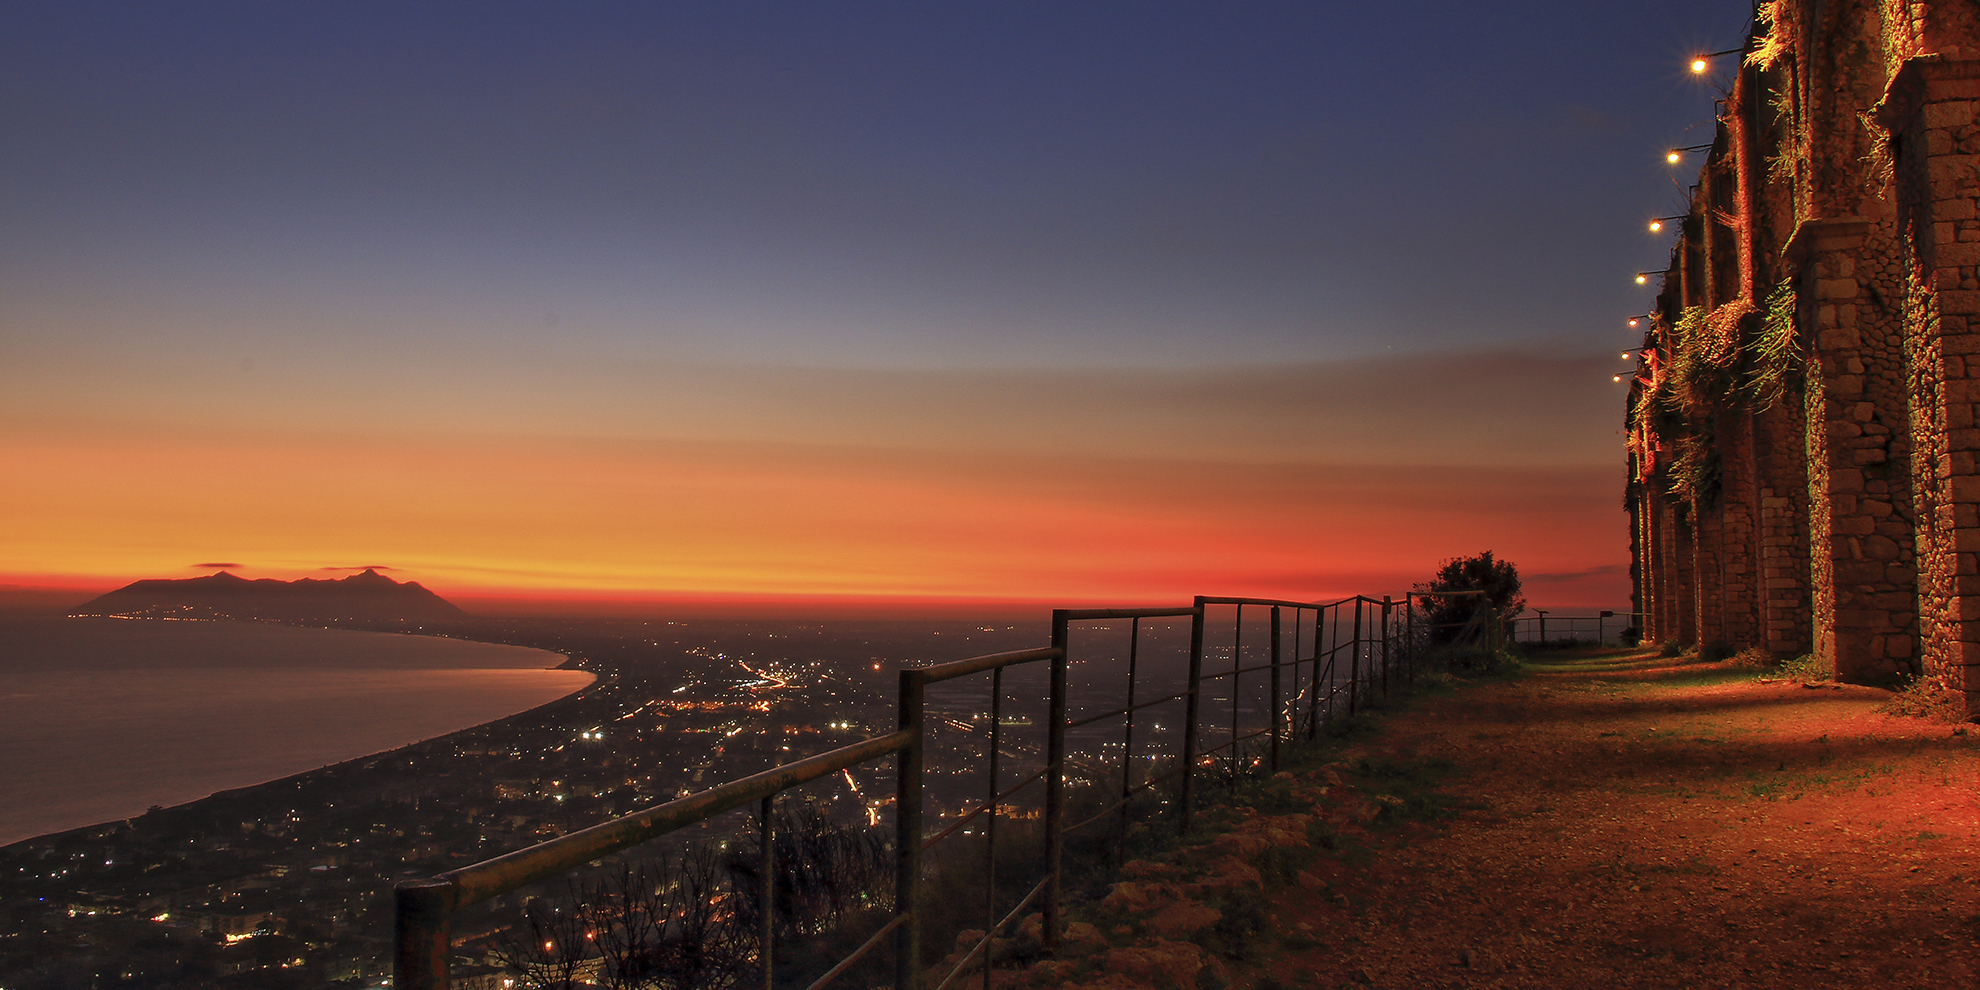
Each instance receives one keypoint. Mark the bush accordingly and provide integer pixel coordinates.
(1925, 697)
(1753, 658)
(1715, 651)
(1808, 667)
(1451, 619)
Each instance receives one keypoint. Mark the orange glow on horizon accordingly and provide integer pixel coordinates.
(628, 526)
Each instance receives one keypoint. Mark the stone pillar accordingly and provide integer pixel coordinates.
(1783, 529)
(1683, 571)
(1739, 531)
(1932, 112)
(1861, 575)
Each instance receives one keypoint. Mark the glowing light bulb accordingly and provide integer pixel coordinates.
(1625, 355)
(1632, 322)
(1699, 65)
(1656, 225)
(1672, 157)
(1616, 378)
(1642, 280)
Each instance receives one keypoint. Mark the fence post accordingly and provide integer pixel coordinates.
(1354, 668)
(1409, 636)
(907, 837)
(766, 888)
(422, 933)
(1127, 739)
(1237, 664)
(1191, 705)
(1275, 689)
(1387, 634)
(1055, 780)
(1313, 703)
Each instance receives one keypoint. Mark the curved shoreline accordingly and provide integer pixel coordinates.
(101, 739)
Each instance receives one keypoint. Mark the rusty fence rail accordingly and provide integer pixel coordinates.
(1286, 669)
(1603, 627)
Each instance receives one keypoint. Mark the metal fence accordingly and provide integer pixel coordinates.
(1603, 628)
(1286, 669)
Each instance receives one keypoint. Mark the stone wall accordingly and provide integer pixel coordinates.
(1805, 439)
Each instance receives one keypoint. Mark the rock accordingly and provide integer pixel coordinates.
(1184, 918)
(1243, 843)
(1134, 896)
(1174, 963)
(1032, 926)
(1230, 872)
(1081, 939)
(1049, 971)
(1149, 868)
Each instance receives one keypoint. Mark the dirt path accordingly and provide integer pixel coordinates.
(1630, 822)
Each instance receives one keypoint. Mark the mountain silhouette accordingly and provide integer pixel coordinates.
(367, 596)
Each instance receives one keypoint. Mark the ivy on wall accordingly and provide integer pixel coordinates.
(1714, 363)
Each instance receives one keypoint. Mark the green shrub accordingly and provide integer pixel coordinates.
(1808, 667)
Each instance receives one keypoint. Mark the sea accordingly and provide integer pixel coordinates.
(101, 718)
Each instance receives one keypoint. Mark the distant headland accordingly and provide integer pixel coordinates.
(366, 596)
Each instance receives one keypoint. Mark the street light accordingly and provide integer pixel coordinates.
(1700, 63)
(1657, 223)
(1675, 154)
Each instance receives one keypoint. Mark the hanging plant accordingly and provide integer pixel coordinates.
(1773, 349)
(1694, 472)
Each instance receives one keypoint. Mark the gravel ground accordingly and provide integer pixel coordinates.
(1629, 821)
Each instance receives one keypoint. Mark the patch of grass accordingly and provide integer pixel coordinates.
(1926, 698)
(1716, 651)
(1753, 658)
(1408, 791)
(1807, 667)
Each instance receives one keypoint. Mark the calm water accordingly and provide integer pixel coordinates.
(103, 718)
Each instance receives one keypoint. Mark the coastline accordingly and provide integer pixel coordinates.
(143, 713)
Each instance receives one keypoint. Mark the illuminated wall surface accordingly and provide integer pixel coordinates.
(1801, 424)
(1030, 303)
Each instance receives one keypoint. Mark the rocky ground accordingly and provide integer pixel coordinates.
(1595, 821)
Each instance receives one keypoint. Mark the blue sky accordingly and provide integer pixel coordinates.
(818, 223)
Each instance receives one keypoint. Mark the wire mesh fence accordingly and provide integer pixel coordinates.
(1102, 744)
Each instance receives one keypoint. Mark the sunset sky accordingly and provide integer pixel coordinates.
(1056, 302)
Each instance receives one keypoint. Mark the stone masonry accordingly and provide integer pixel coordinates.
(1805, 419)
